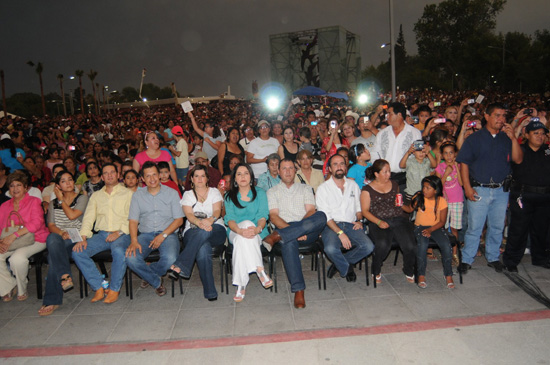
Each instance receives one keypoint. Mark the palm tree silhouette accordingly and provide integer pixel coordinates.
(79, 74)
(92, 75)
(39, 68)
(60, 78)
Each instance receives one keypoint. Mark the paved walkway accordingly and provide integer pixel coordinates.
(348, 323)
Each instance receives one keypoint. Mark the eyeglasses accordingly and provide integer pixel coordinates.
(264, 126)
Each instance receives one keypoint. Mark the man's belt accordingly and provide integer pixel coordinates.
(531, 189)
(490, 186)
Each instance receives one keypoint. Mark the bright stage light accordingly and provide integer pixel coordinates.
(363, 98)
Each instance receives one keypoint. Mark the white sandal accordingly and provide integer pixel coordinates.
(239, 296)
(264, 279)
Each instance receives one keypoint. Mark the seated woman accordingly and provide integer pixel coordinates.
(204, 229)
(387, 221)
(246, 216)
(65, 211)
(30, 210)
(431, 216)
(270, 178)
(307, 174)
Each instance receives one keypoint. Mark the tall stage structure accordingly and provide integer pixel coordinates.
(328, 58)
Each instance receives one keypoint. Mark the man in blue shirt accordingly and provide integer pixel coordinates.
(159, 214)
(485, 160)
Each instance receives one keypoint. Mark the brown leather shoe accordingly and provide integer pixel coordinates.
(271, 240)
(299, 300)
(99, 295)
(161, 290)
(111, 297)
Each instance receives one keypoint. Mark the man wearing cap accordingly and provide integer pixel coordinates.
(392, 143)
(530, 201)
(180, 153)
(260, 148)
(368, 134)
(214, 175)
(351, 117)
(485, 164)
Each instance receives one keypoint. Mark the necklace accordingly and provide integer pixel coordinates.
(202, 198)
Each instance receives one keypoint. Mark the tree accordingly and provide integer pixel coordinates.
(129, 94)
(60, 78)
(79, 74)
(447, 31)
(92, 75)
(39, 68)
(400, 52)
(3, 92)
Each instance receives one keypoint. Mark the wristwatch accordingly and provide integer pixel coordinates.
(164, 235)
(339, 232)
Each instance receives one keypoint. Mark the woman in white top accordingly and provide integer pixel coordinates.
(204, 229)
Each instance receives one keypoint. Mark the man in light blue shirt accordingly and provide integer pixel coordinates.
(158, 213)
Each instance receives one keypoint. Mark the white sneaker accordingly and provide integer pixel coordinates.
(527, 251)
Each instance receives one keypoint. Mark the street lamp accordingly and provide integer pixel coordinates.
(392, 53)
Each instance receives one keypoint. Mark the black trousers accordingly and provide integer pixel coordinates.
(400, 231)
(532, 219)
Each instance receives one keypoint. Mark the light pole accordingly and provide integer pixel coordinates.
(71, 96)
(392, 53)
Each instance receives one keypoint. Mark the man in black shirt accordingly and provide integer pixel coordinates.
(530, 201)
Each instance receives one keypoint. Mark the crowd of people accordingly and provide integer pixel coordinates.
(431, 166)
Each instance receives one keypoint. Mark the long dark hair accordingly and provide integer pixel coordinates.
(7, 144)
(216, 132)
(356, 151)
(417, 201)
(232, 194)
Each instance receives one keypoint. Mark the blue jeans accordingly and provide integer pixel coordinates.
(59, 253)
(152, 273)
(362, 246)
(97, 244)
(198, 245)
(442, 240)
(311, 227)
(491, 207)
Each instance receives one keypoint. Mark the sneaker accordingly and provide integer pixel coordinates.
(464, 267)
(497, 265)
(527, 251)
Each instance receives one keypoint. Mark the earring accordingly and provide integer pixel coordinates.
(251, 183)
(192, 186)
(235, 184)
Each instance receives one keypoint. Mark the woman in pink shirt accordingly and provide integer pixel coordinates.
(155, 154)
(30, 210)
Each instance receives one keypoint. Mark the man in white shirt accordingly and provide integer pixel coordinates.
(292, 211)
(261, 147)
(392, 143)
(344, 238)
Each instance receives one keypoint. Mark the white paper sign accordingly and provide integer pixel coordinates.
(480, 98)
(296, 101)
(187, 107)
(74, 234)
(280, 118)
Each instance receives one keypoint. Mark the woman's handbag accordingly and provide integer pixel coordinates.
(23, 241)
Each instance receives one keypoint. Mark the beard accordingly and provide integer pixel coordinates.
(339, 174)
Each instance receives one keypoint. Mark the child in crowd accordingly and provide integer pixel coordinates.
(164, 174)
(418, 163)
(449, 172)
(131, 179)
(359, 155)
(305, 139)
(431, 215)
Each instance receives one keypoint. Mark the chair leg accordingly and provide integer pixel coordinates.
(312, 262)
(173, 287)
(80, 284)
(396, 256)
(459, 251)
(38, 269)
(317, 267)
(129, 283)
(228, 264)
(324, 271)
(367, 269)
(181, 286)
(273, 264)
(373, 278)
(103, 269)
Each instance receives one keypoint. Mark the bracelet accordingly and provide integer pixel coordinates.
(16, 234)
(379, 221)
(339, 232)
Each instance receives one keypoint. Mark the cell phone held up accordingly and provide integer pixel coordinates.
(439, 120)
(333, 124)
(418, 145)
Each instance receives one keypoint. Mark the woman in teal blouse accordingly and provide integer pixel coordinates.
(246, 213)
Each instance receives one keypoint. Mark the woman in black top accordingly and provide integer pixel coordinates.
(289, 148)
(227, 150)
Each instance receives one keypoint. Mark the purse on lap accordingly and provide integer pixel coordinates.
(11, 227)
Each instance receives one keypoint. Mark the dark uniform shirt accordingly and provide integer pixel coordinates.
(535, 168)
(487, 157)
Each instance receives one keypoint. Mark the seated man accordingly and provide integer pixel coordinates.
(292, 211)
(159, 214)
(345, 240)
(215, 176)
(108, 209)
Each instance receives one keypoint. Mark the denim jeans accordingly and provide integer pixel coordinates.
(152, 273)
(491, 207)
(442, 240)
(311, 227)
(362, 246)
(59, 254)
(97, 244)
(400, 231)
(198, 245)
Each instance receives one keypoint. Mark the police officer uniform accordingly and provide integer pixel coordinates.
(530, 206)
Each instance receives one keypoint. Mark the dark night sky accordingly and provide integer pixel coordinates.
(202, 46)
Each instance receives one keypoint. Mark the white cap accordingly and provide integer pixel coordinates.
(4, 136)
